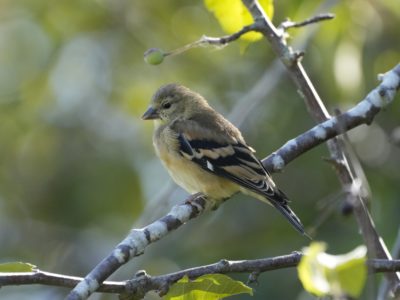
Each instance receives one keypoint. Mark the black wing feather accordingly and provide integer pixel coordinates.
(192, 149)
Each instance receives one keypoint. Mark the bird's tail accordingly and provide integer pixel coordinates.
(289, 214)
(280, 201)
(276, 198)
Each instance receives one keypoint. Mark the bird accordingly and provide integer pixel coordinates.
(205, 153)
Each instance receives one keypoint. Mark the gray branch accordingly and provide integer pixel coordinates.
(143, 283)
(136, 242)
(363, 113)
(318, 18)
(384, 287)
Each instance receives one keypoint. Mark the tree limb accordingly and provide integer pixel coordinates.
(363, 113)
(143, 283)
(136, 242)
(384, 287)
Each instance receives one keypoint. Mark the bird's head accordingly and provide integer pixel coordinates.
(174, 101)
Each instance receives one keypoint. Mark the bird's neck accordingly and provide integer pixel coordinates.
(158, 123)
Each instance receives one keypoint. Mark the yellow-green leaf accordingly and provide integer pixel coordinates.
(232, 15)
(311, 272)
(210, 287)
(16, 266)
(324, 274)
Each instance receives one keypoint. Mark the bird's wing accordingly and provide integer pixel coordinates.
(225, 156)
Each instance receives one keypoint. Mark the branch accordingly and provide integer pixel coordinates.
(143, 283)
(318, 18)
(383, 265)
(53, 279)
(291, 60)
(136, 242)
(222, 41)
(384, 287)
(212, 41)
(225, 40)
(363, 113)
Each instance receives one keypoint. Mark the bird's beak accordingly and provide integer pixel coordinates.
(150, 114)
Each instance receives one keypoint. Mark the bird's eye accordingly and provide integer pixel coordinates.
(166, 105)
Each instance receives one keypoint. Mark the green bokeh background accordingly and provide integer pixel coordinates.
(77, 167)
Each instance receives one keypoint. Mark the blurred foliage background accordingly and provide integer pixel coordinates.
(77, 167)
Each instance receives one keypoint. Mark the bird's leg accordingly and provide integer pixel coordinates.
(214, 204)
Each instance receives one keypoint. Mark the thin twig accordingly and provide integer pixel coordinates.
(318, 18)
(224, 40)
(214, 41)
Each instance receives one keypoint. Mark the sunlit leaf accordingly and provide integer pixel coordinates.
(232, 15)
(16, 267)
(210, 287)
(324, 274)
(311, 272)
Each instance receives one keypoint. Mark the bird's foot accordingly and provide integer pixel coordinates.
(198, 200)
(204, 201)
(194, 198)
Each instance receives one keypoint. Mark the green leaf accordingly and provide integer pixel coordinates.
(324, 274)
(232, 15)
(210, 287)
(17, 267)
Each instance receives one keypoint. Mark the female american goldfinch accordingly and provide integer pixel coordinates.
(203, 152)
